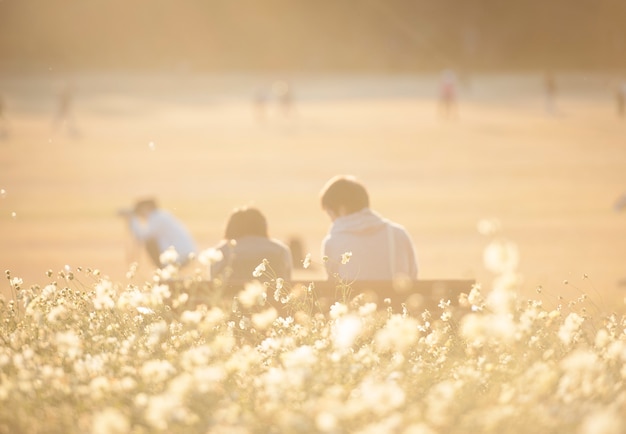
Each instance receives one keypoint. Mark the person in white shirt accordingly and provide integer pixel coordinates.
(159, 231)
(362, 245)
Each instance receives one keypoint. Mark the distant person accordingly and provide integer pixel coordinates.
(550, 92)
(284, 97)
(448, 89)
(620, 96)
(3, 120)
(260, 103)
(64, 116)
(158, 231)
(362, 245)
(620, 203)
(246, 244)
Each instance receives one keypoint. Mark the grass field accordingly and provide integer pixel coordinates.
(195, 143)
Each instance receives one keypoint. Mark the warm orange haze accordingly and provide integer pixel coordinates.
(460, 142)
(196, 143)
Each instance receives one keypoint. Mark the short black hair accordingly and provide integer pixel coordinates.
(246, 222)
(344, 191)
(148, 203)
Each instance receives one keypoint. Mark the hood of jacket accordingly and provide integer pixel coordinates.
(361, 222)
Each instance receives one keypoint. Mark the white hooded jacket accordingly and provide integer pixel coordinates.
(380, 249)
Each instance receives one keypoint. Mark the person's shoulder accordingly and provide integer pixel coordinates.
(221, 245)
(399, 229)
(279, 244)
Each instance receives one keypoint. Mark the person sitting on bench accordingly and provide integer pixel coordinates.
(362, 245)
(246, 245)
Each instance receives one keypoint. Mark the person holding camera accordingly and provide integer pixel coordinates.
(159, 231)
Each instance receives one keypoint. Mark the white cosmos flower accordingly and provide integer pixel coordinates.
(568, 331)
(398, 334)
(306, 263)
(345, 330)
(501, 256)
(210, 256)
(338, 309)
(263, 320)
(105, 294)
(253, 294)
(110, 420)
(260, 269)
(156, 371)
(69, 343)
(169, 256)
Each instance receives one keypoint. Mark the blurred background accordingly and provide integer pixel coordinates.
(389, 35)
(106, 101)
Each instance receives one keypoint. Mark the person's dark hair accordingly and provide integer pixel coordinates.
(246, 222)
(344, 191)
(148, 204)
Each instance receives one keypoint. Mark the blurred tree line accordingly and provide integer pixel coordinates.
(378, 35)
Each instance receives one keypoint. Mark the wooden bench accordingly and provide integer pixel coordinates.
(414, 296)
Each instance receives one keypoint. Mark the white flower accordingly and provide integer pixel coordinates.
(501, 256)
(367, 309)
(381, 397)
(69, 343)
(306, 263)
(338, 309)
(263, 320)
(345, 257)
(169, 256)
(206, 378)
(302, 356)
(130, 298)
(501, 300)
(110, 421)
(145, 310)
(398, 334)
(210, 256)
(57, 313)
(345, 330)
(159, 293)
(160, 410)
(253, 294)
(100, 387)
(196, 356)
(440, 400)
(326, 421)
(156, 371)
(260, 269)
(478, 327)
(48, 291)
(568, 332)
(191, 317)
(603, 421)
(105, 294)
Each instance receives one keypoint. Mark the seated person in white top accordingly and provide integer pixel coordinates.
(159, 230)
(378, 249)
(246, 244)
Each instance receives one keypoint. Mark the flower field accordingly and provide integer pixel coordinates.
(85, 354)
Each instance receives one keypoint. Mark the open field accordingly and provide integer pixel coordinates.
(551, 179)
